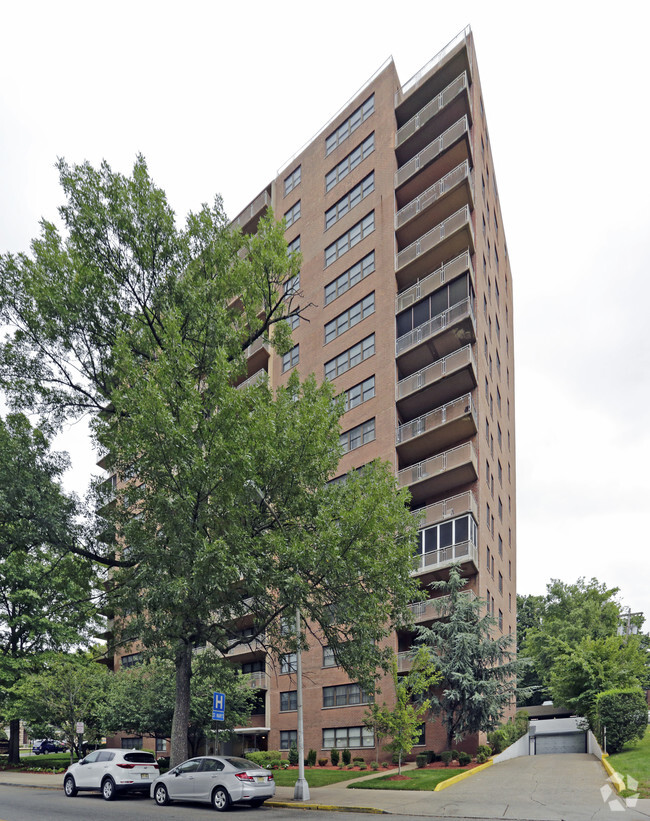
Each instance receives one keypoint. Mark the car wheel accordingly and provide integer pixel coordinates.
(160, 795)
(220, 799)
(257, 802)
(108, 790)
(69, 787)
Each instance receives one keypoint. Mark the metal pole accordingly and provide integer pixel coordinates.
(301, 791)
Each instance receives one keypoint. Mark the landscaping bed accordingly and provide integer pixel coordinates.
(634, 761)
(426, 778)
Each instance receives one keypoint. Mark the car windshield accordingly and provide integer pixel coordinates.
(242, 763)
(140, 758)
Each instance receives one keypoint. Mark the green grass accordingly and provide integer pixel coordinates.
(417, 780)
(634, 760)
(48, 761)
(316, 777)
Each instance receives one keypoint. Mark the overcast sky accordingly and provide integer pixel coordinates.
(217, 99)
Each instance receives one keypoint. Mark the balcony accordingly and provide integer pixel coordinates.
(440, 473)
(446, 240)
(450, 193)
(436, 338)
(447, 509)
(435, 116)
(258, 680)
(440, 381)
(430, 283)
(248, 219)
(255, 379)
(435, 160)
(257, 355)
(437, 429)
(430, 609)
(463, 552)
(247, 648)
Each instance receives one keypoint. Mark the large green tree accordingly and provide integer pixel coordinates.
(478, 670)
(226, 509)
(46, 592)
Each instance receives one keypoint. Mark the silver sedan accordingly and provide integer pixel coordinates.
(217, 780)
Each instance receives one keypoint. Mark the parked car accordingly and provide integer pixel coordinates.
(217, 780)
(49, 746)
(111, 772)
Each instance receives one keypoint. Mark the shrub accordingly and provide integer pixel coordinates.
(624, 714)
(431, 756)
(447, 757)
(311, 758)
(374, 765)
(363, 766)
(395, 759)
(421, 760)
(498, 739)
(265, 758)
(347, 756)
(322, 762)
(484, 748)
(358, 760)
(385, 764)
(464, 758)
(334, 757)
(454, 755)
(293, 755)
(481, 758)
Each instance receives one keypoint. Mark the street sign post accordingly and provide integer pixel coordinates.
(218, 706)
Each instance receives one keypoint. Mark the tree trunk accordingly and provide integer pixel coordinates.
(14, 741)
(181, 720)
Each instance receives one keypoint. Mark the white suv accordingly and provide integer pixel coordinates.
(112, 771)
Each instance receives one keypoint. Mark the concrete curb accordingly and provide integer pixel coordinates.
(30, 786)
(462, 776)
(614, 777)
(327, 807)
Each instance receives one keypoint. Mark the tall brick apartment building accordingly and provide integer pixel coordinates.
(395, 210)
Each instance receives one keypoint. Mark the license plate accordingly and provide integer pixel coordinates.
(144, 775)
(260, 778)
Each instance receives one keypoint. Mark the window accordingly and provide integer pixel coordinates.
(484, 226)
(161, 745)
(498, 328)
(351, 737)
(500, 546)
(348, 359)
(487, 600)
(510, 602)
(329, 659)
(498, 357)
(496, 225)
(499, 469)
(288, 663)
(132, 660)
(350, 125)
(287, 738)
(446, 534)
(436, 306)
(500, 583)
(350, 238)
(496, 286)
(501, 621)
(294, 246)
(292, 285)
(347, 164)
(348, 202)
(257, 666)
(291, 181)
(344, 695)
(487, 513)
(291, 358)
(292, 214)
(496, 255)
(360, 393)
(289, 700)
(488, 557)
(348, 278)
(510, 570)
(498, 391)
(499, 437)
(132, 743)
(294, 321)
(487, 472)
(348, 319)
(361, 435)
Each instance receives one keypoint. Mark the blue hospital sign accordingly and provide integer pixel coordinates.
(218, 706)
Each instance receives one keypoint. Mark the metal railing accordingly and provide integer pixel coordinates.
(431, 282)
(432, 150)
(260, 202)
(411, 84)
(444, 556)
(432, 108)
(460, 219)
(435, 465)
(446, 508)
(258, 376)
(436, 608)
(259, 344)
(435, 325)
(436, 418)
(434, 192)
(435, 371)
(259, 679)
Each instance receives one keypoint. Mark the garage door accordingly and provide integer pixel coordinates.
(561, 743)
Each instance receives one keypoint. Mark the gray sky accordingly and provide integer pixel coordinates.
(218, 99)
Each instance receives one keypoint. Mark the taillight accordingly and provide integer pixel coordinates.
(271, 777)
(244, 777)
(125, 766)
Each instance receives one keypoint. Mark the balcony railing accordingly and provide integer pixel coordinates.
(254, 645)
(461, 219)
(431, 151)
(446, 509)
(259, 203)
(435, 325)
(463, 406)
(410, 85)
(257, 346)
(435, 371)
(440, 463)
(444, 556)
(259, 680)
(428, 111)
(434, 192)
(436, 608)
(259, 376)
(429, 283)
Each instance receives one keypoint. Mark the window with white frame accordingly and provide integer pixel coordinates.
(349, 200)
(288, 663)
(349, 126)
(161, 745)
(351, 737)
(344, 695)
(292, 214)
(349, 163)
(352, 276)
(350, 238)
(292, 285)
(351, 357)
(446, 534)
(292, 180)
(358, 394)
(291, 358)
(348, 319)
(329, 659)
(294, 246)
(358, 436)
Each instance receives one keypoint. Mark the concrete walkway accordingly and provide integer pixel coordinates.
(538, 788)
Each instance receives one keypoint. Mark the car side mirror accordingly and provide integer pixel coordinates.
(176, 773)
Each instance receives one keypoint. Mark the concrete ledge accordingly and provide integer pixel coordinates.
(326, 807)
(462, 776)
(614, 777)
